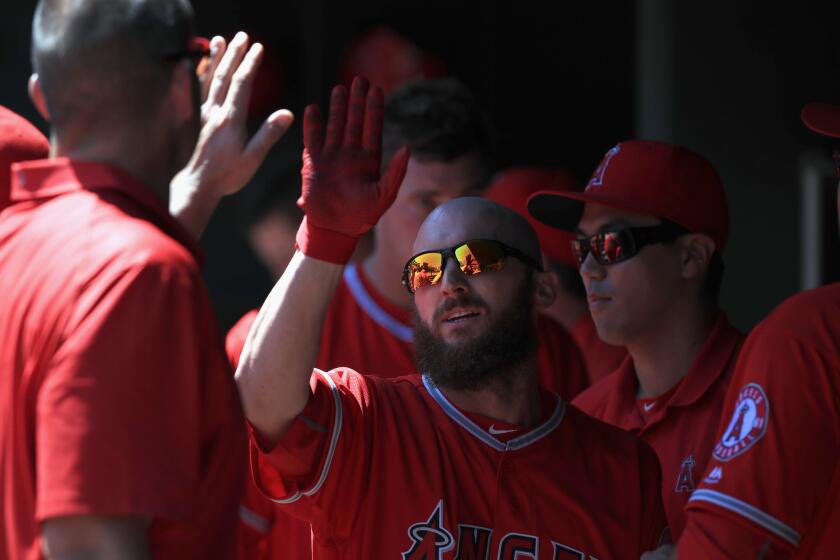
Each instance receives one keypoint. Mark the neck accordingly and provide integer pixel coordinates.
(665, 355)
(513, 398)
(384, 276)
(146, 164)
(567, 310)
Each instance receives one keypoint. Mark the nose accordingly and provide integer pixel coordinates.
(453, 280)
(590, 269)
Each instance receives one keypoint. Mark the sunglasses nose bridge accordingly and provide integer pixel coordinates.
(590, 267)
(452, 278)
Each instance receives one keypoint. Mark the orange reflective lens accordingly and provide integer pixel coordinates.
(474, 257)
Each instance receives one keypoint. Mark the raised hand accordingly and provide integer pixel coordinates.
(225, 158)
(342, 192)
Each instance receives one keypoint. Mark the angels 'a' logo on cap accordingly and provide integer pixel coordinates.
(598, 177)
(748, 424)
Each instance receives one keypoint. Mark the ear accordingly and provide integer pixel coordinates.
(36, 94)
(546, 286)
(697, 253)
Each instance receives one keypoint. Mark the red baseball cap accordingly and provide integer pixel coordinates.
(19, 141)
(646, 177)
(822, 118)
(513, 186)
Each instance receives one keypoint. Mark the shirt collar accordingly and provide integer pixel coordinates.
(715, 359)
(49, 178)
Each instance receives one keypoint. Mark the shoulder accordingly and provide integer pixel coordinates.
(807, 318)
(609, 444)
(594, 399)
(235, 339)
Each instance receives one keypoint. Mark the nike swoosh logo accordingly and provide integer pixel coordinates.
(648, 406)
(494, 432)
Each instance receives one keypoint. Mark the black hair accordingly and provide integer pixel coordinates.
(437, 119)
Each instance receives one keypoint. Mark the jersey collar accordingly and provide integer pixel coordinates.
(49, 178)
(362, 294)
(518, 442)
(715, 360)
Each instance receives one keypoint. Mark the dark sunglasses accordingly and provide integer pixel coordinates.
(474, 257)
(611, 247)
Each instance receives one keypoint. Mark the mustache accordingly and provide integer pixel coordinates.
(463, 300)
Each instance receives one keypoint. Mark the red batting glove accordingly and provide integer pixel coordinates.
(342, 192)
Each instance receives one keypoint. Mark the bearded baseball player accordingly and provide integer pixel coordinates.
(772, 487)
(368, 326)
(471, 459)
(651, 226)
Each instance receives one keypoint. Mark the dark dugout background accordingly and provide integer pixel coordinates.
(561, 83)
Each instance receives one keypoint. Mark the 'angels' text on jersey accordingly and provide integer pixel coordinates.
(429, 539)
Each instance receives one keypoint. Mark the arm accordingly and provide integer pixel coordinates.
(287, 331)
(224, 159)
(90, 537)
(343, 196)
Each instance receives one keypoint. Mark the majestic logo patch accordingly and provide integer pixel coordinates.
(714, 476)
(598, 177)
(748, 424)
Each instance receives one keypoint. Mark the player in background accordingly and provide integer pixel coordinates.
(19, 141)
(512, 188)
(368, 326)
(120, 412)
(772, 488)
(651, 227)
(472, 457)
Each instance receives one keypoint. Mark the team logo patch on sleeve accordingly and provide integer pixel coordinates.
(748, 424)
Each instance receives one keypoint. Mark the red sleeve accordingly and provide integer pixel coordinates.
(710, 537)
(560, 363)
(318, 470)
(118, 418)
(778, 445)
(236, 336)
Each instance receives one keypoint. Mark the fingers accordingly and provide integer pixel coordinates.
(242, 82)
(356, 112)
(269, 133)
(335, 121)
(231, 59)
(312, 130)
(394, 174)
(372, 134)
(217, 49)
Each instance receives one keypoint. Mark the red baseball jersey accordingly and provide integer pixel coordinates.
(389, 468)
(366, 332)
(775, 467)
(600, 358)
(116, 395)
(681, 425)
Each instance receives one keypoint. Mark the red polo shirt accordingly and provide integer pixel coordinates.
(680, 425)
(774, 475)
(116, 393)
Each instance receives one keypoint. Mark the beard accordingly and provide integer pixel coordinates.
(488, 358)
